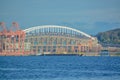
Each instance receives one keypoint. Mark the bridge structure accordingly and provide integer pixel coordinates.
(52, 39)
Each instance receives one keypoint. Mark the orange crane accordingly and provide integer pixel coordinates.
(2, 24)
(12, 41)
(2, 35)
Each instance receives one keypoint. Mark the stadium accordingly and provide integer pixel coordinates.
(52, 39)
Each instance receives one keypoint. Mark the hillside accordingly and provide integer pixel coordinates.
(111, 37)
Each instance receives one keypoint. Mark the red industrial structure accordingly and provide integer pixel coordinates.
(12, 41)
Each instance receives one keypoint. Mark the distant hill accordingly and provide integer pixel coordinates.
(111, 37)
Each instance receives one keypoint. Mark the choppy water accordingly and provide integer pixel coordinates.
(59, 68)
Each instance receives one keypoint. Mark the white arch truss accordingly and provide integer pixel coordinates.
(54, 26)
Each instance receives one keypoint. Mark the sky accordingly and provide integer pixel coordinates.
(89, 16)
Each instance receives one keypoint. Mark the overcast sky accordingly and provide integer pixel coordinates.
(89, 16)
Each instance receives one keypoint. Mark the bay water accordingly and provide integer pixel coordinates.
(59, 68)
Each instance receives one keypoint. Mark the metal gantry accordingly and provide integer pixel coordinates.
(12, 40)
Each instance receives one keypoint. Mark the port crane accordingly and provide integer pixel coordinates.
(12, 40)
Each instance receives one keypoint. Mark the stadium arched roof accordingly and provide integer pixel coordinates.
(54, 28)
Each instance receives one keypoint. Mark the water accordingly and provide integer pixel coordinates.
(59, 68)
